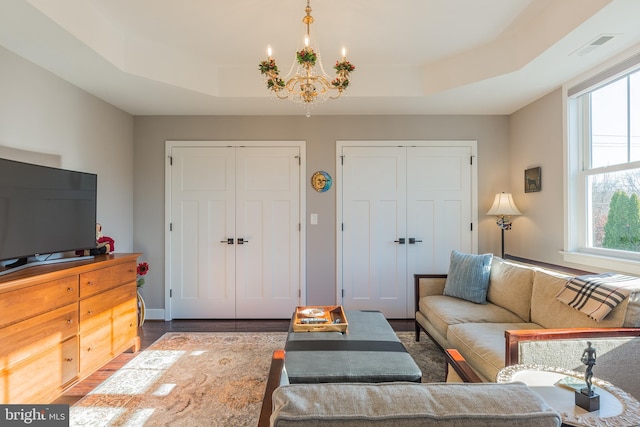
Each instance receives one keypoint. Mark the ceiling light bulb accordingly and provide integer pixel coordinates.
(269, 51)
(344, 53)
(306, 40)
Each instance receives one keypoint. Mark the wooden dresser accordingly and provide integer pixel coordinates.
(59, 323)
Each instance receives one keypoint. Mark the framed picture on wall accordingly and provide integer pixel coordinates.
(532, 180)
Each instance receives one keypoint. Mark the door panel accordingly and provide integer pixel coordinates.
(439, 206)
(251, 196)
(268, 219)
(374, 218)
(419, 194)
(203, 270)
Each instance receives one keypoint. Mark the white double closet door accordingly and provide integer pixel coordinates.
(235, 239)
(401, 210)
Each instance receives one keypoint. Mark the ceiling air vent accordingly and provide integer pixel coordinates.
(594, 44)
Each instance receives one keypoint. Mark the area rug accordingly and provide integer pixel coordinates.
(204, 379)
(427, 355)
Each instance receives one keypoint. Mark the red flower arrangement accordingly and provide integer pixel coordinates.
(143, 269)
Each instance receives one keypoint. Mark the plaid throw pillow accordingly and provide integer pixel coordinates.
(597, 294)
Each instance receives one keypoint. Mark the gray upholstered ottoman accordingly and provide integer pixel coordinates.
(411, 405)
(369, 352)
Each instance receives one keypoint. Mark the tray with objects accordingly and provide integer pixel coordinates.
(320, 318)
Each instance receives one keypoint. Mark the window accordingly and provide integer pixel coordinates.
(604, 166)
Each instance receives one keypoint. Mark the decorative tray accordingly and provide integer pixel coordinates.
(320, 318)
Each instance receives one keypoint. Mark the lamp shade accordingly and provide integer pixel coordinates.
(504, 205)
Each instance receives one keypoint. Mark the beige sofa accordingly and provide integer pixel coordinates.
(400, 404)
(523, 323)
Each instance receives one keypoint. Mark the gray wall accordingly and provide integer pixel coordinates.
(43, 117)
(320, 134)
(536, 139)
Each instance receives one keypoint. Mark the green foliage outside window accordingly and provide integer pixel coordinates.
(622, 230)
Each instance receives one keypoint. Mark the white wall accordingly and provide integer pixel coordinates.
(43, 117)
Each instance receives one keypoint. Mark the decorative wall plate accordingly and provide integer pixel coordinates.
(321, 181)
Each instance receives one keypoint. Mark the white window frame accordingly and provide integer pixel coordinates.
(575, 191)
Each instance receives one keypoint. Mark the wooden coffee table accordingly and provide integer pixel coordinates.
(369, 351)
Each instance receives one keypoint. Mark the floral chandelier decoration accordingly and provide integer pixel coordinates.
(305, 83)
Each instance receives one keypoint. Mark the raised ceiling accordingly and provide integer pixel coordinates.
(200, 57)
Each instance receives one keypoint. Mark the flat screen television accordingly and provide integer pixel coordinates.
(44, 210)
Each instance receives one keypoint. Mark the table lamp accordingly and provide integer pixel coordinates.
(503, 207)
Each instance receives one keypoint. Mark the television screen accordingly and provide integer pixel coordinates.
(45, 210)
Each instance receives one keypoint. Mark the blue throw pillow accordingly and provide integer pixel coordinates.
(468, 277)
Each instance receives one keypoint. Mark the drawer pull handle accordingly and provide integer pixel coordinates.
(88, 348)
(69, 359)
(90, 312)
(69, 321)
(90, 282)
(69, 289)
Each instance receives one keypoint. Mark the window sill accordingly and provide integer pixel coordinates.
(602, 262)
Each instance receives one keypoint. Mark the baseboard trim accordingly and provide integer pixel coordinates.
(154, 314)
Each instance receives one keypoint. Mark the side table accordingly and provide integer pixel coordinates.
(617, 407)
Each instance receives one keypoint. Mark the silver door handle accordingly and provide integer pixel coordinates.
(228, 241)
(413, 241)
(241, 241)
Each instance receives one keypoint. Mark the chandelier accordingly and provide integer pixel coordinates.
(306, 82)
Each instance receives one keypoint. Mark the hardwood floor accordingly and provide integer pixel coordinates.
(154, 329)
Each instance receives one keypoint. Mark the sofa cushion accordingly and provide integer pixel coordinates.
(483, 344)
(546, 285)
(510, 287)
(468, 276)
(410, 405)
(442, 311)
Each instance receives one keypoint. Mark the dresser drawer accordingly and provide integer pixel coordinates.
(102, 279)
(34, 300)
(95, 348)
(125, 326)
(97, 309)
(60, 322)
(70, 360)
(22, 340)
(41, 377)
